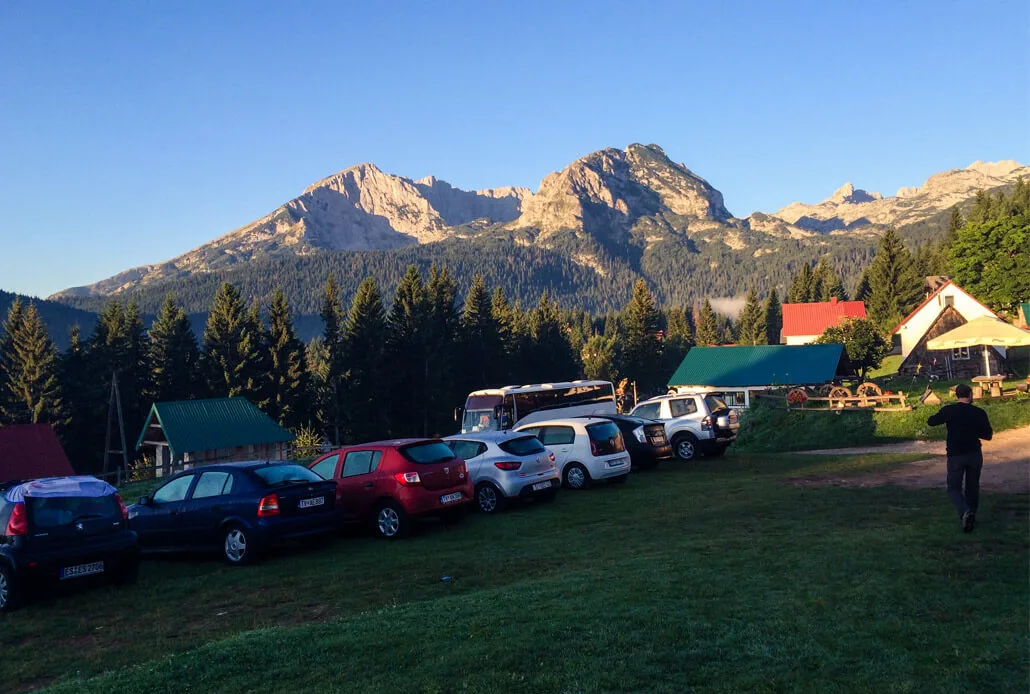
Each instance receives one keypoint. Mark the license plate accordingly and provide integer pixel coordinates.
(96, 567)
(617, 463)
(541, 485)
(308, 503)
(450, 498)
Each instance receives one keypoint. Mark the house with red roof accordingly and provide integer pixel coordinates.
(805, 323)
(31, 451)
(945, 308)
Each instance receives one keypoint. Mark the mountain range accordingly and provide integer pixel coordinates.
(603, 220)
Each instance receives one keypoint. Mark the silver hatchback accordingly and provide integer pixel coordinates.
(506, 465)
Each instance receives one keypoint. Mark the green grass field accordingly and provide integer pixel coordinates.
(718, 576)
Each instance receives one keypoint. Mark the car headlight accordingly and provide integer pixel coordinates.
(638, 433)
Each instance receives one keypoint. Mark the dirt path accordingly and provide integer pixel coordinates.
(1006, 465)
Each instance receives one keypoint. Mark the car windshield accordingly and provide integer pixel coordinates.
(428, 453)
(715, 403)
(283, 474)
(54, 512)
(524, 445)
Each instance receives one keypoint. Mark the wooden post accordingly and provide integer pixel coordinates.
(114, 405)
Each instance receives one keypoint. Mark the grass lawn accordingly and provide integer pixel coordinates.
(717, 576)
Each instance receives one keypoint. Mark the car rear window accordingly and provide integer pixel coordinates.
(715, 403)
(524, 445)
(428, 453)
(59, 511)
(280, 474)
(606, 438)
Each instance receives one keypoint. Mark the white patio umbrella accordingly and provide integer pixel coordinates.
(987, 331)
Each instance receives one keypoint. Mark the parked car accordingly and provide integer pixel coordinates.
(695, 424)
(506, 465)
(644, 438)
(62, 530)
(586, 449)
(237, 509)
(393, 483)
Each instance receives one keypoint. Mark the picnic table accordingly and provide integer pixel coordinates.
(993, 383)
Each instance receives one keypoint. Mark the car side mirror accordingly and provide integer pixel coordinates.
(457, 413)
(144, 501)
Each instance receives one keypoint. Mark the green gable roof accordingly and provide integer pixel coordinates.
(760, 365)
(200, 425)
(1025, 306)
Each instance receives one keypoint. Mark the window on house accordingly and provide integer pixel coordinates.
(949, 300)
(960, 353)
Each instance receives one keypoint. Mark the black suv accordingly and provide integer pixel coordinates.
(62, 530)
(645, 439)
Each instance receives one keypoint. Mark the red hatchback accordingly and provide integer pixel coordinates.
(393, 482)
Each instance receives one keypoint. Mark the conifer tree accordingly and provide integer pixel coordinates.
(894, 287)
(30, 364)
(231, 359)
(752, 321)
(329, 390)
(174, 356)
(827, 284)
(862, 288)
(678, 338)
(258, 388)
(11, 326)
(707, 326)
(598, 355)
(641, 348)
(287, 373)
(406, 354)
(77, 436)
(441, 351)
(773, 318)
(480, 341)
(516, 343)
(367, 384)
(552, 355)
(802, 287)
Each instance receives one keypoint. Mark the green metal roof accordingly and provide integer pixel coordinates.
(760, 365)
(200, 425)
(1026, 310)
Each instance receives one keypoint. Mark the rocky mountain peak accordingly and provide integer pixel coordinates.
(848, 194)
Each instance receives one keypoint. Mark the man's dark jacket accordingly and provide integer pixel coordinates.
(967, 424)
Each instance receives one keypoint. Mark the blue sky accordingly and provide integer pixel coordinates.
(131, 132)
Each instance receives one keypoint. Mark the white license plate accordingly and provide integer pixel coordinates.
(541, 485)
(308, 503)
(96, 567)
(617, 463)
(450, 498)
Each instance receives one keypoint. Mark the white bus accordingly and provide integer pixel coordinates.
(494, 409)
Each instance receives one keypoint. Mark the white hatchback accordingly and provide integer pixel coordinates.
(586, 449)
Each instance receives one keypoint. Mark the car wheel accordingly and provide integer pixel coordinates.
(9, 593)
(685, 446)
(576, 476)
(238, 546)
(391, 521)
(489, 498)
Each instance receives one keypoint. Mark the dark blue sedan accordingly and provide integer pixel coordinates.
(238, 509)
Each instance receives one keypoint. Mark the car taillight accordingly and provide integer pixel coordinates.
(17, 523)
(551, 456)
(121, 505)
(508, 465)
(408, 478)
(594, 450)
(268, 506)
(706, 423)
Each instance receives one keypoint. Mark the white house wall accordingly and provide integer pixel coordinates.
(800, 339)
(967, 307)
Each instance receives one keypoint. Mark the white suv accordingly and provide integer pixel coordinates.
(586, 449)
(695, 424)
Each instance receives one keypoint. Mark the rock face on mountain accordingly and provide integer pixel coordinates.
(850, 208)
(609, 190)
(593, 209)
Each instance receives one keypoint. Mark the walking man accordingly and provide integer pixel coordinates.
(967, 424)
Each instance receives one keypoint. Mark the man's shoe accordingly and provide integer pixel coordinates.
(967, 522)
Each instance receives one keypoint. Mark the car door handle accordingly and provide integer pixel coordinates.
(369, 485)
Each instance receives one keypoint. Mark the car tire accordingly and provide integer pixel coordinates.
(576, 476)
(686, 446)
(391, 521)
(10, 594)
(489, 498)
(239, 548)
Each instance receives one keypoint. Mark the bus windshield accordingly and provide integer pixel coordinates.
(512, 407)
(480, 414)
